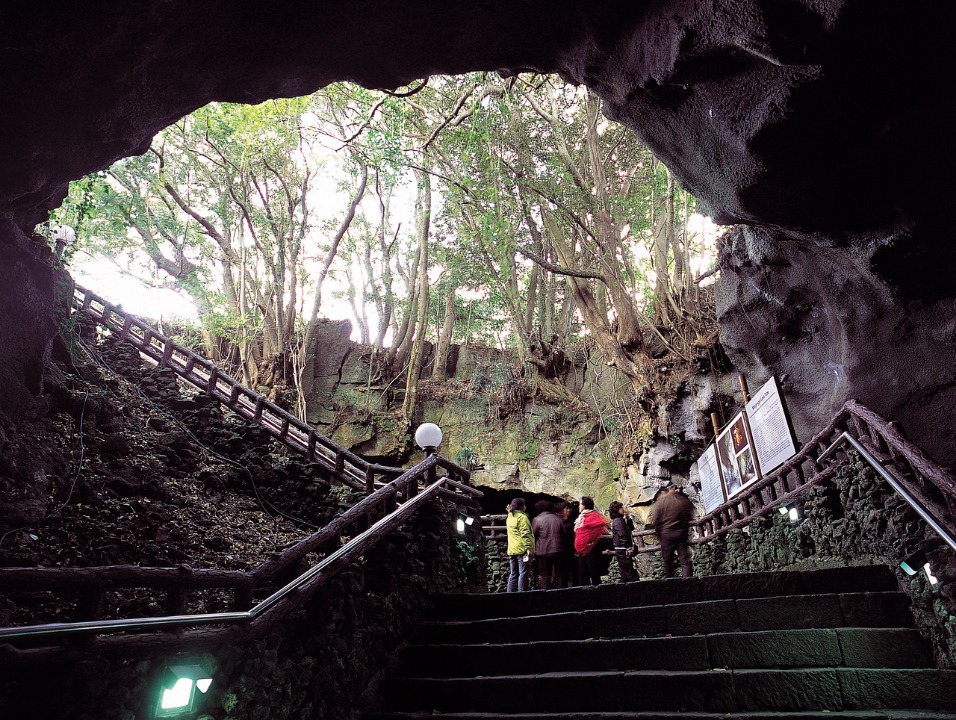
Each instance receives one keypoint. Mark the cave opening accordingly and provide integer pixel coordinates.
(495, 500)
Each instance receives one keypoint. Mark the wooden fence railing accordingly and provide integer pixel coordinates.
(258, 597)
(341, 464)
(931, 485)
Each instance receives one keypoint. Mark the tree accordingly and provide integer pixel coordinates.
(423, 226)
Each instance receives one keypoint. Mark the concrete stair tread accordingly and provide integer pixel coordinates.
(585, 674)
(835, 715)
(864, 578)
(837, 647)
(816, 689)
(827, 610)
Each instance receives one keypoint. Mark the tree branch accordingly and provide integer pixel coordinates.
(557, 269)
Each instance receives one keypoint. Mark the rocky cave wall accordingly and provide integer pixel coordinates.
(821, 126)
(318, 663)
(533, 444)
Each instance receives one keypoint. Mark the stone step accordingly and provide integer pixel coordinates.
(864, 578)
(827, 610)
(764, 715)
(730, 691)
(846, 647)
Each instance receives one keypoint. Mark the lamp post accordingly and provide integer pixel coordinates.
(428, 438)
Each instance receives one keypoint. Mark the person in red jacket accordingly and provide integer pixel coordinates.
(588, 529)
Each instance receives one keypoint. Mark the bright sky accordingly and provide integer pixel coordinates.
(104, 278)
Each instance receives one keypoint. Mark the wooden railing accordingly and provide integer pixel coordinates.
(930, 485)
(258, 597)
(340, 464)
(818, 460)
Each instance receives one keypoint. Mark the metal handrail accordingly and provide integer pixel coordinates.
(184, 579)
(360, 542)
(913, 502)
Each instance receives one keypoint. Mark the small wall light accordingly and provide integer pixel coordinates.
(792, 510)
(914, 563)
(177, 694)
(428, 437)
(464, 521)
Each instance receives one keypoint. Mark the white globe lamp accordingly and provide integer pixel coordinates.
(428, 437)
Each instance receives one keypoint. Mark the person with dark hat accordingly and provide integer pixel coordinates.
(673, 513)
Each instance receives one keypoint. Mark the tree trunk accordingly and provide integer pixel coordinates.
(662, 236)
(445, 337)
(415, 360)
(676, 247)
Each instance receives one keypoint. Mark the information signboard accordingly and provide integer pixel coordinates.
(735, 454)
(711, 489)
(770, 428)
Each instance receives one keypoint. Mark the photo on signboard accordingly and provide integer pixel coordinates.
(736, 456)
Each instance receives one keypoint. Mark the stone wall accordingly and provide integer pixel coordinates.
(557, 441)
(316, 665)
(856, 519)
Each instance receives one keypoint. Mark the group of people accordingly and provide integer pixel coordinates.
(565, 551)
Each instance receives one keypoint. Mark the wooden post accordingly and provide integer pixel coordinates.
(716, 423)
(369, 481)
(211, 383)
(743, 387)
(89, 605)
(175, 601)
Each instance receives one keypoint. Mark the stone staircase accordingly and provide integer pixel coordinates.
(832, 643)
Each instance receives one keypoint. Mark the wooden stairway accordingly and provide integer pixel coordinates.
(832, 643)
(339, 464)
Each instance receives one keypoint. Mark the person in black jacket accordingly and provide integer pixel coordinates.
(548, 531)
(622, 533)
(569, 563)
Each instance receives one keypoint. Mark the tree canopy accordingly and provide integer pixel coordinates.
(470, 208)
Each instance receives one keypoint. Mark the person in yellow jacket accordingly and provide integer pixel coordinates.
(520, 546)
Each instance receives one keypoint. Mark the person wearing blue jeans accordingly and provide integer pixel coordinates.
(520, 546)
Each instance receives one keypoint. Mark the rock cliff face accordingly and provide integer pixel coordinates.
(824, 127)
(560, 440)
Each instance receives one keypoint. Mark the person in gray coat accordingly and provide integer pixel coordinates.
(548, 531)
